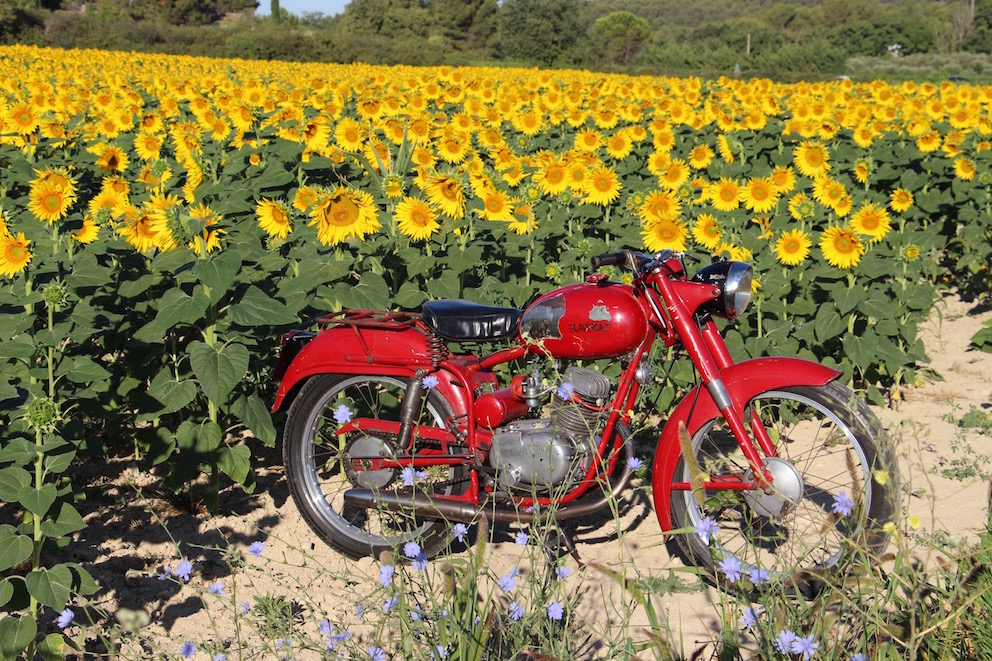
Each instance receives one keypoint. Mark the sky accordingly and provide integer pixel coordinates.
(300, 7)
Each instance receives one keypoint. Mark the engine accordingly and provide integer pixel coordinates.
(540, 454)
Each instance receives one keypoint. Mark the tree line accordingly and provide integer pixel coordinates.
(782, 38)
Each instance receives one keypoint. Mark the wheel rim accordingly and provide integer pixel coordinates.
(811, 535)
(325, 476)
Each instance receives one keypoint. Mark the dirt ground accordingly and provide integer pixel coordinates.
(133, 532)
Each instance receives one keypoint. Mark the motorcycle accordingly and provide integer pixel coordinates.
(392, 436)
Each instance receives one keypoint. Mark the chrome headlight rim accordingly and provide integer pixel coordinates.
(737, 288)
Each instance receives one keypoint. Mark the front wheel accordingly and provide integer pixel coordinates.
(834, 488)
(319, 464)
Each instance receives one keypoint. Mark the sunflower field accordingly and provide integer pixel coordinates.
(163, 219)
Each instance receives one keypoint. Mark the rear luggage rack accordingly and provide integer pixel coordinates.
(381, 319)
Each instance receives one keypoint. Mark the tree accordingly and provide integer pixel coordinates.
(538, 31)
(617, 37)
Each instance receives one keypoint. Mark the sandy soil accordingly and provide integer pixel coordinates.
(134, 533)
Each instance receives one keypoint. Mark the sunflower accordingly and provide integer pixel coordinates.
(901, 200)
(659, 205)
(453, 146)
(801, 207)
(928, 142)
(723, 146)
(22, 118)
(14, 254)
(812, 159)
(48, 201)
(348, 135)
(497, 205)
(964, 168)
(578, 173)
(447, 193)
(862, 170)
(588, 140)
(523, 221)
(829, 192)
(872, 221)
(552, 178)
(783, 178)
(112, 159)
(148, 146)
(274, 219)
(701, 156)
(792, 247)
(706, 231)
(209, 237)
(664, 234)
(619, 145)
(416, 219)
(602, 187)
(759, 195)
(342, 214)
(139, 228)
(89, 232)
(658, 162)
(724, 195)
(306, 197)
(676, 174)
(841, 247)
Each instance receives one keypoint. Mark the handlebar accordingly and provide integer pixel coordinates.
(634, 260)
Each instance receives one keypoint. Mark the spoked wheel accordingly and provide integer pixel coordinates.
(825, 501)
(319, 464)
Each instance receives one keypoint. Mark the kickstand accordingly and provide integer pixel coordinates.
(557, 544)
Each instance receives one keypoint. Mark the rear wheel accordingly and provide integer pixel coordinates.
(826, 500)
(319, 461)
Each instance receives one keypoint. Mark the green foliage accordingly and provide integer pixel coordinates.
(617, 37)
(538, 30)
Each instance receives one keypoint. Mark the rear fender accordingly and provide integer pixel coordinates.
(349, 350)
(743, 381)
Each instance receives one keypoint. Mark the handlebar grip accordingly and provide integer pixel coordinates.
(609, 259)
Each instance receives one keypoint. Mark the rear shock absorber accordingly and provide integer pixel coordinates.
(410, 407)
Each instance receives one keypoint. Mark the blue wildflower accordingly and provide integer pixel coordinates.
(411, 549)
(65, 618)
(188, 650)
(566, 390)
(459, 531)
(509, 581)
(731, 568)
(520, 539)
(216, 588)
(516, 611)
(420, 562)
(561, 573)
(843, 505)
(783, 641)
(389, 604)
(183, 569)
(386, 574)
(749, 617)
(706, 528)
(634, 463)
(555, 610)
(759, 575)
(804, 647)
(430, 382)
(245, 607)
(342, 414)
(377, 654)
(256, 548)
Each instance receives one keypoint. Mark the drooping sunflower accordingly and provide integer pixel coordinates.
(792, 247)
(602, 187)
(812, 159)
(724, 194)
(273, 218)
(48, 201)
(872, 221)
(523, 221)
(901, 200)
(112, 159)
(14, 254)
(723, 146)
(841, 247)
(89, 232)
(208, 239)
(342, 214)
(139, 227)
(706, 231)
(447, 194)
(664, 234)
(416, 219)
(659, 205)
(862, 170)
(759, 195)
(701, 156)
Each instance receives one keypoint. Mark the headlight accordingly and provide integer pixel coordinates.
(734, 281)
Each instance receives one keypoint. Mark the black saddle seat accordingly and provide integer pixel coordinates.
(459, 320)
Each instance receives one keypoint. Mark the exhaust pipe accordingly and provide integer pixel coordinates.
(423, 505)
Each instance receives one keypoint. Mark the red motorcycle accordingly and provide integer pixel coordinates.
(768, 466)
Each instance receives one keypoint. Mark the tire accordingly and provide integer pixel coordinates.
(313, 456)
(834, 442)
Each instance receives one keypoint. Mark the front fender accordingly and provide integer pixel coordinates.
(743, 381)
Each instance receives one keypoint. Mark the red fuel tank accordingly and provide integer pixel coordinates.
(589, 321)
